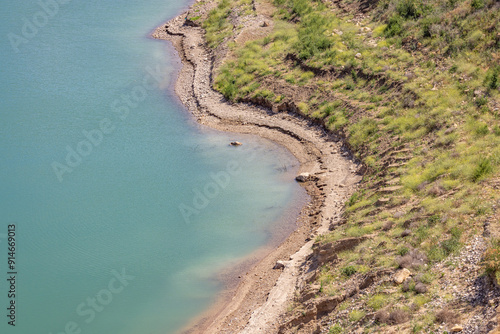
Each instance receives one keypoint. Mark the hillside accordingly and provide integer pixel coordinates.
(412, 89)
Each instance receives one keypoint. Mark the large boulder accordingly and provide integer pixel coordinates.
(401, 275)
(303, 177)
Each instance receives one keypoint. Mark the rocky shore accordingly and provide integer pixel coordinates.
(262, 294)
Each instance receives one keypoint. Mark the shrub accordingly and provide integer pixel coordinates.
(481, 129)
(433, 220)
(394, 26)
(491, 80)
(403, 251)
(216, 25)
(377, 302)
(381, 317)
(483, 168)
(361, 132)
(412, 259)
(336, 329)
(408, 9)
(356, 315)
(312, 39)
(353, 199)
(475, 38)
(446, 316)
(481, 101)
(354, 76)
(430, 26)
(491, 258)
(349, 271)
(477, 4)
(398, 317)
(496, 130)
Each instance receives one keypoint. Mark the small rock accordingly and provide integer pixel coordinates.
(279, 265)
(457, 328)
(303, 177)
(382, 201)
(420, 288)
(264, 24)
(398, 214)
(236, 143)
(405, 233)
(478, 92)
(401, 275)
(449, 130)
(358, 55)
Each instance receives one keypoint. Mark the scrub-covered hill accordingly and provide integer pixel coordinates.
(412, 87)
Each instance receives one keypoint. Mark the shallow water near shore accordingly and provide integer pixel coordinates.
(125, 209)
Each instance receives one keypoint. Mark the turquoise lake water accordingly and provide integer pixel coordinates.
(124, 208)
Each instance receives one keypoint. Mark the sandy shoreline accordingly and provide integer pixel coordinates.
(255, 302)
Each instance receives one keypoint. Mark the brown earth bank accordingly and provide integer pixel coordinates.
(263, 292)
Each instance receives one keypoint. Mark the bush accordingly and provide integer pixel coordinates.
(446, 316)
(349, 271)
(413, 259)
(394, 26)
(496, 130)
(483, 168)
(481, 129)
(403, 251)
(381, 317)
(398, 317)
(433, 220)
(481, 101)
(408, 9)
(426, 27)
(216, 25)
(356, 315)
(377, 302)
(336, 329)
(491, 258)
(491, 80)
(475, 38)
(477, 4)
(312, 40)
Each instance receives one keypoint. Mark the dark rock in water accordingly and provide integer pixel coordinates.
(236, 143)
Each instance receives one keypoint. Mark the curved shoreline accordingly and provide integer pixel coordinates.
(263, 293)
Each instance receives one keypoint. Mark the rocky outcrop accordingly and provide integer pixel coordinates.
(328, 252)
